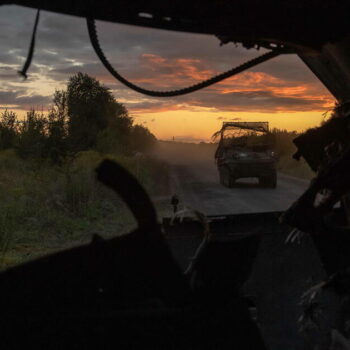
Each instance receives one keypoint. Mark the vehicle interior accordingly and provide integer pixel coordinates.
(274, 274)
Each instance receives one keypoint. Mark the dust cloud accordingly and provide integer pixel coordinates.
(181, 153)
(196, 158)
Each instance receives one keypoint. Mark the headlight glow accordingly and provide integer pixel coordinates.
(241, 155)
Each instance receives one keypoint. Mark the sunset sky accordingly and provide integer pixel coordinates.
(282, 91)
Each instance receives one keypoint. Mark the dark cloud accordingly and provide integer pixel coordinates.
(145, 106)
(67, 37)
(33, 100)
(63, 71)
(256, 101)
(13, 98)
(9, 58)
(287, 67)
(7, 97)
(243, 101)
(7, 72)
(151, 58)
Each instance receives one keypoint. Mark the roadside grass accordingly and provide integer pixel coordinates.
(46, 208)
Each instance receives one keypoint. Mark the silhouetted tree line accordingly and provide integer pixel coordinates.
(83, 116)
(282, 141)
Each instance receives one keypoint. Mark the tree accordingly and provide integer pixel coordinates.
(32, 136)
(142, 140)
(91, 108)
(56, 141)
(84, 116)
(116, 138)
(8, 131)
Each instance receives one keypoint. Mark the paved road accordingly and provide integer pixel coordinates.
(198, 187)
(282, 272)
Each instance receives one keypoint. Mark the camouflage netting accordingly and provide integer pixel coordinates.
(239, 129)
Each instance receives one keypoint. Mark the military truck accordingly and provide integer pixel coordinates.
(245, 150)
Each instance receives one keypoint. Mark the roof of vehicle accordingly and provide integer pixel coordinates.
(307, 23)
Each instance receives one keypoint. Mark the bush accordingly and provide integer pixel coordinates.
(8, 129)
(53, 206)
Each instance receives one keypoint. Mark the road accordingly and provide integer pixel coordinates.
(198, 187)
(282, 272)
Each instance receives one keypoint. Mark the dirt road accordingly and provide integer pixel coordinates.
(198, 187)
(282, 272)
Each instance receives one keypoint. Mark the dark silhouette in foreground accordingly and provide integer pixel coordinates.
(127, 292)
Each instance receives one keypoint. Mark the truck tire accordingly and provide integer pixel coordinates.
(268, 181)
(221, 176)
(229, 181)
(273, 181)
(225, 177)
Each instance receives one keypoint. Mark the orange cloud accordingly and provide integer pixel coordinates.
(260, 81)
(171, 72)
(163, 73)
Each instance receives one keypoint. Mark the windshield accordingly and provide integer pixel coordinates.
(68, 115)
